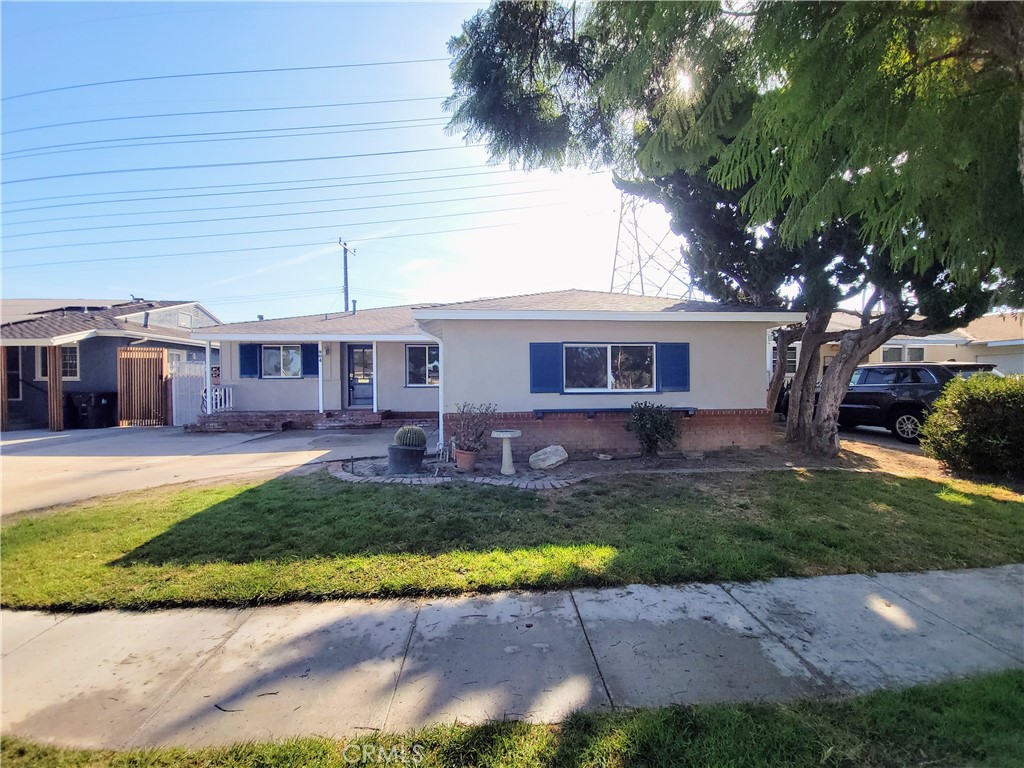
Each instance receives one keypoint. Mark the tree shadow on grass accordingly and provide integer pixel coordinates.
(640, 528)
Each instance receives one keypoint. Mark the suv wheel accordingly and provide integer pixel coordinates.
(906, 426)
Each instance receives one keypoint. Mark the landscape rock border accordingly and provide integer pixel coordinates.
(510, 482)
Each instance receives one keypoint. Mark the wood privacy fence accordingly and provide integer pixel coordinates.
(141, 387)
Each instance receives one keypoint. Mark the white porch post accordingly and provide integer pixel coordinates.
(373, 375)
(209, 378)
(320, 375)
(440, 381)
(440, 392)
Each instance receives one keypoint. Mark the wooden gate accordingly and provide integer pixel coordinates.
(141, 386)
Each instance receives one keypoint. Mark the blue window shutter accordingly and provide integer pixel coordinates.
(310, 366)
(546, 367)
(249, 361)
(674, 367)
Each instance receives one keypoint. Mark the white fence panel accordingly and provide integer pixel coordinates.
(187, 382)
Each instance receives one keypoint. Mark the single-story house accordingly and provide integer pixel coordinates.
(564, 367)
(54, 348)
(997, 338)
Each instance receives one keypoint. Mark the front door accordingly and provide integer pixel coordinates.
(360, 375)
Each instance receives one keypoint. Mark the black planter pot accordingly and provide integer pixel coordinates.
(404, 459)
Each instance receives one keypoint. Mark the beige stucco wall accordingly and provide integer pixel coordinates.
(301, 394)
(392, 393)
(489, 361)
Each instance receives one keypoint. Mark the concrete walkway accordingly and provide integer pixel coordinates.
(42, 468)
(206, 676)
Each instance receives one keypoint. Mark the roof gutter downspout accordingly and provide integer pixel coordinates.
(442, 375)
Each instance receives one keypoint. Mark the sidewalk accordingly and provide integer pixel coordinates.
(213, 676)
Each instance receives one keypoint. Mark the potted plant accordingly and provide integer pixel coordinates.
(405, 454)
(470, 425)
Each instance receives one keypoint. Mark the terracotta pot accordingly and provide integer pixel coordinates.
(465, 460)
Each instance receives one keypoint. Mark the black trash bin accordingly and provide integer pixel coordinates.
(103, 409)
(94, 410)
(70, 412)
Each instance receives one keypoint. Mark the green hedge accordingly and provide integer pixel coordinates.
(977, 425)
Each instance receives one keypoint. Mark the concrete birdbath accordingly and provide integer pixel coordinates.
(506, 436)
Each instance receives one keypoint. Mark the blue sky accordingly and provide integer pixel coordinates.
(256, 231)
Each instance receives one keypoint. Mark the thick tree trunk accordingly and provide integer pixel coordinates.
(783, 338)
(801, 393)
(821, 438)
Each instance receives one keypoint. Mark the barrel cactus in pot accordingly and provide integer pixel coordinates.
(405, 454)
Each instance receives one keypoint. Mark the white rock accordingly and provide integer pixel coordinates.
(549, 458)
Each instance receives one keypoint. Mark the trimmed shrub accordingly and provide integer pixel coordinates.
(653, 427)
(977, 425)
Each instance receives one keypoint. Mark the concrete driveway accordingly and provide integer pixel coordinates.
(42, 468)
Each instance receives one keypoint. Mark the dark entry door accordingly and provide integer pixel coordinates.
(360, 375)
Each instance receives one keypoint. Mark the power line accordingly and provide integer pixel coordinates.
(179, 254)
(220, 112)
(265, 205)
(273, 231)
(245, 184)
(245, 163)
(218, 74)
(425, 122)
(220, 219)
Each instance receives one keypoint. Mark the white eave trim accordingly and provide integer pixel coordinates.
(766, 318)
(1003, 343)
(188, 342)
(306, 337)
(74, 338)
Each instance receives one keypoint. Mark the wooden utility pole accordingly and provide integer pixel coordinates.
(344, 266)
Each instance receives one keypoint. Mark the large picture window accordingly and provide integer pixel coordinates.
(282, 361)
(68, 363)
(609, 367)
(422, 365)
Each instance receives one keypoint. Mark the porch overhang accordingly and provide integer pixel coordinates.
(306, 338)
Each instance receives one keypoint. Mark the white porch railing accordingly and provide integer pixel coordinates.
(223, 399)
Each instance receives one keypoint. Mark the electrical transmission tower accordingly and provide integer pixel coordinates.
(647, 265)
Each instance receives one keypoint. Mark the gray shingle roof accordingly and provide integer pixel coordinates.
(16, 310)
(62, 322)
(383, 321)
(595, 301)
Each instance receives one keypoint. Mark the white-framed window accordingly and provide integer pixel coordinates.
(69, 369)
(422, 365)
(791, 358)
(13, 372)
(185, 320)
(892, 354)
(915, 355)
(282, 361)
(608, 368)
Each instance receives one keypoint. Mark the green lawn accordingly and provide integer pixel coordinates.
(972, 722)
(314, 537)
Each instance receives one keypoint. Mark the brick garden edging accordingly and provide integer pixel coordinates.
(526, 485)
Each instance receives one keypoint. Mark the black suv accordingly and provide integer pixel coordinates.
(898, 395)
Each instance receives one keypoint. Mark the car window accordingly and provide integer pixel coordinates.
(857, 376)
(966, 372)
(879, 376)
(920, 376)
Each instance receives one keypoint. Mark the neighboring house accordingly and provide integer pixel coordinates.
(997, 338)
(564, 367)
(84, 336)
